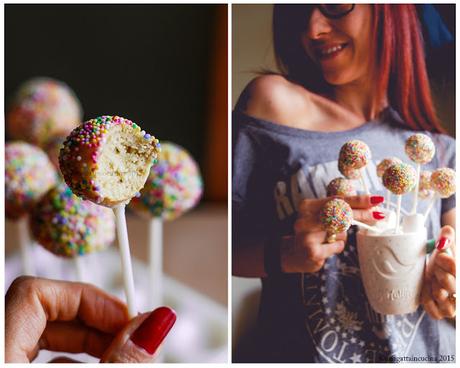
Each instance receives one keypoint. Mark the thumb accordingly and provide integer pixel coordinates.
(140, 339)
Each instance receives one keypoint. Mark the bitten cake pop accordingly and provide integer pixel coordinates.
(354, 155)
(443, 182)
(28, 176)
(341, 187)
(68, 226)
(425, 190)
(107, 160)
(42, 107)
(336, 216)
(420, 148)
(385, 164)
(399, 179)
(174, 184)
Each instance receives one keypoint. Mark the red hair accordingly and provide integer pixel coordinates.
(399, 60)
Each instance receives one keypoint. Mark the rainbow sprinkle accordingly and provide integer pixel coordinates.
(443, 182)
(336, 216)
(341, 187)
(399, 178)
(420, 148)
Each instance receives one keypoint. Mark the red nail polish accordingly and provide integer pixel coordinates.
(378, 215)
(154, 329)
(377, 199)
(442, 243)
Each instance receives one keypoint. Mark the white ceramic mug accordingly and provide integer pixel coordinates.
(392, 267)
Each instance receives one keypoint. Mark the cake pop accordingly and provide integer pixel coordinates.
(425, 189)
(174, 184)
(385, 164)
(41, 108)
(336, 216)
(68, 226)
(443, 182)
(354, 155)
(399, 179)
(420, 148)
(173, 187)
(351, 174)
(107, 161)
(340, 187)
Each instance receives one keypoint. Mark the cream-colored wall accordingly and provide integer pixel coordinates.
(251, 44)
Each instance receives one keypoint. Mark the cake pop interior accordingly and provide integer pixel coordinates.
(123, 165)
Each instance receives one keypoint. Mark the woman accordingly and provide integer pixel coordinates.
(348, 72)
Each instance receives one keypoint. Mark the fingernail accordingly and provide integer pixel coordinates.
(154, 329)
(377, 199)
(378, 215)
(442, 243)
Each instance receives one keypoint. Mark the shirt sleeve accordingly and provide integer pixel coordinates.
(445, 150)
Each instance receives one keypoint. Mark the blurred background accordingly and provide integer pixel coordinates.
(252, 52)
(165, 68)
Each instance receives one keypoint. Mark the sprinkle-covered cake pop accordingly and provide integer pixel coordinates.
(399, 178)
(354, 154)
(424, 188)
(443, 182)
(28, 176)
(174, 185)
(42, 107)
(107, 160)
(385, 164)
(68, 226)
(336, 216)
(341, 187)
(420, 148)
(351, 174)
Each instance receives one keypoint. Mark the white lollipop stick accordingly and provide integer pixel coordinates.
(156, 261)
(388, 199)
(127, 270)
(363, 182)
(365, 226)
(398, 212)
(417, 184)
(25, 243)
(433, 199)
(79, 268)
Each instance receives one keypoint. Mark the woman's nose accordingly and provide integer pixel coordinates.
(318, 25)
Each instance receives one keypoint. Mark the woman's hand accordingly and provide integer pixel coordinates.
(308, 250)
(439, 280)
(78, 318)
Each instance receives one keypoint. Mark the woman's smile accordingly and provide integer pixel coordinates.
(329, 51)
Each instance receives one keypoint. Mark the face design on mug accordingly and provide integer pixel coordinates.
(340, 47)
(388, 265)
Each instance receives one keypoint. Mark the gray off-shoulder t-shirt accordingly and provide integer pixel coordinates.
(325, 316)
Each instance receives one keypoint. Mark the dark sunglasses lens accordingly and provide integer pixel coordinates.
(336, 10)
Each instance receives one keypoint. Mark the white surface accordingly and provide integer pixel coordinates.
(200, 332)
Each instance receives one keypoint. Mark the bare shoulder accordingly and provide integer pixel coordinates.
(274, 98)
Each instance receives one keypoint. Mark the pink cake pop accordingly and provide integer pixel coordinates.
(336, 216)
(340, 187)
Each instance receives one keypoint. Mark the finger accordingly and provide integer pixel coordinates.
(84, 339)
(364, 201)
(368, 216)
(446, 262)
(31, 302)
(441, 297)
(445, 279)
(320, 252)
(446, 237)
(431, 307)
(308, 224)
(140, 339)
(319, 237)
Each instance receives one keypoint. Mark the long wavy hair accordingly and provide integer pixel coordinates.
(398, 59)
